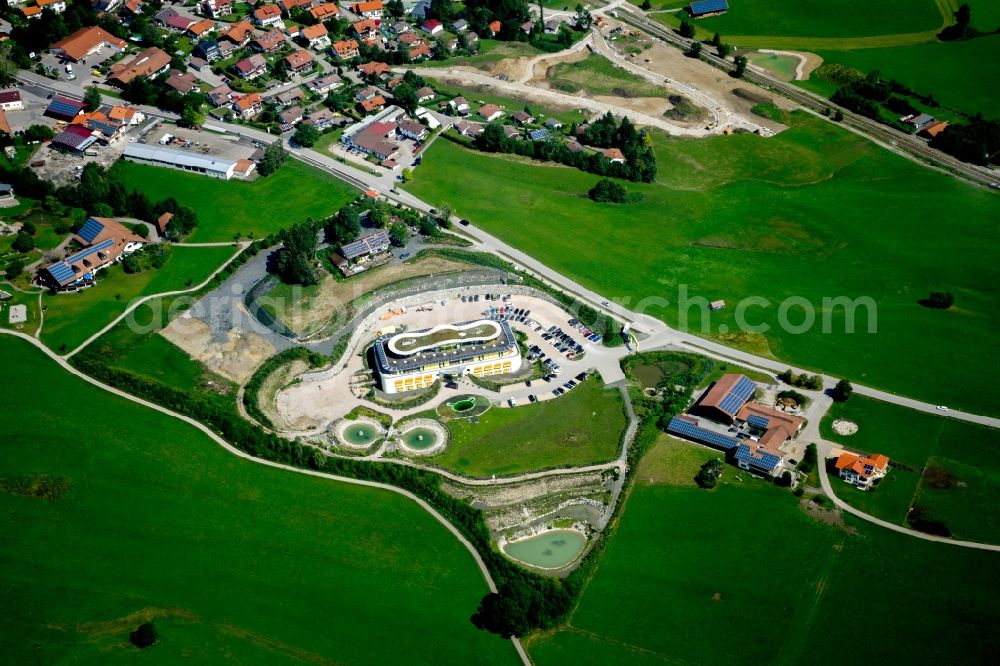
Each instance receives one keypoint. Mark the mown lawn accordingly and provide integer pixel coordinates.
(233, 561)
(227, 209)
(579, 428)
(813, 213)
(687, 565)
(72, 318)
(971, 453)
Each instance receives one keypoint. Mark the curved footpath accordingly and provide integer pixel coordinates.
(841, 504)
(145, 299)
(246, 456)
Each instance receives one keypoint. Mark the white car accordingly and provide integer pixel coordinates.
(941, 408)
(512, 402)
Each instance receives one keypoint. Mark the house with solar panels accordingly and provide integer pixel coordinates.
(862, 471)
(104, 242)
(366, 248)
(752, 435)
(702, 8)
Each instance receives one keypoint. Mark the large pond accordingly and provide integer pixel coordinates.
(550, 550)
(420, 438)
(360, 433)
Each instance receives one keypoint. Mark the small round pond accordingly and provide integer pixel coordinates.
(420, 438)
(360, 433)
(549, 550)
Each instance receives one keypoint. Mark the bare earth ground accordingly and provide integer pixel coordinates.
(278, 380)
(234, 358)
(312, 312)
(843, 427)
(807, 62)
(670, 62)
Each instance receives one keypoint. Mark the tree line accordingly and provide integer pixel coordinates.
(640, 160)
(103, 193)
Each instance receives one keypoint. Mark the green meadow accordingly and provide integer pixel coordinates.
(73, 317)
(227, 209)
(813, 213)
(931, 69)
(742, 575)
(578, 428)
(115, 514)
(964, 498)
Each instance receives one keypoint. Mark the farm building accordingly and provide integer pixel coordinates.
(178, 159)
(702, 8)
(105, 241)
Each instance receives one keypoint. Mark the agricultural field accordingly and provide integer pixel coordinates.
(838, 206)
(232, 560)
(232, 209)
(579, 428)
(930, 69)
(686, 565)
(970, 454)
(599, 76)
(72, 318)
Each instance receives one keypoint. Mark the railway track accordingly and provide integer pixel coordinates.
(897, 140)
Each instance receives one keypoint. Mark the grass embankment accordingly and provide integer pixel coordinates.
(72, 318)
(478, 95)
(490, 53)
(963, 497)
(227, 209)
(837, 207)
(579, 428)
(153, 520)
(687, 565)
(599, 76)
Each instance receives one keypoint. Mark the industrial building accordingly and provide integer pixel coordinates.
(179, 159)
(415, 360)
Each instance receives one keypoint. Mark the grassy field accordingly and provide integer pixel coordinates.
(930, 69)
(490, 53)
(227, 209)
(20, 298)
(687, 566)
(72, 318)
(234, 561)
(599, 76)
(479, 95)
(579, 428)
(788, 18)
(781, 66)
(812, 212)
(971, 453)
(674, 462)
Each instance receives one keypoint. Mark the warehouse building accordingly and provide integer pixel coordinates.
(179, 159)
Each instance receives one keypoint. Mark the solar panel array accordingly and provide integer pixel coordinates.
(737, 395)
(64, 107)
(538, 134)
(708, 6)
(90, 230)
(699, 434)
(61, 271)
(83, 254)
(757, 421)
(762, 460)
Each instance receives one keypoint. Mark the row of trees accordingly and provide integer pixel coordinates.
(102, 192)
(640, 161)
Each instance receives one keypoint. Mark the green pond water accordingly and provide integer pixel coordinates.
(462, 405)
(420, 438)
(550, 550)
(360, 434)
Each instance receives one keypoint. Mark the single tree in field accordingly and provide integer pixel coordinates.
(842, 391)
(694, 50)
(686, 29)
(723, 50)
(143, 637)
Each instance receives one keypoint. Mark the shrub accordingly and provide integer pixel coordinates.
(608, 191)
(144, 636)
(938, 300)
(709, 474)
(842, 391)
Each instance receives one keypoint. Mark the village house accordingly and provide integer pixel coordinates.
(267, 16)
(250, 68)
(324, 12)
(366, 30)
(149, 63)
(614, 155)
(322, 119)
(217, 8)
(127, 115)
(490, 112)
(268, 42)
(368, 10)
(248, 106)
(346, 49)
(376, 69)
(289, 6)
(862, 471)
(432, 27)
(459, 105)
(87, 41)
(420, 51)
(239, 34)
(316, 37)
(182, 82)
(299, 61)
(425, 94)
(372, 104)
(10, 100)
(324, 84)
(220, 96)
(411, 129)
(200, 28)
(208, 49)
